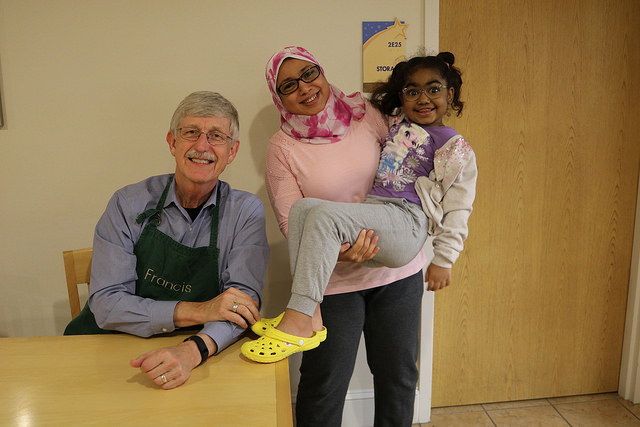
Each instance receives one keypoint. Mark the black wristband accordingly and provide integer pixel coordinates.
(202, 347)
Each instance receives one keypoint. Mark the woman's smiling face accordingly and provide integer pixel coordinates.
(310, 98)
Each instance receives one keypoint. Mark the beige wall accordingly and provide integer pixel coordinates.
(88, 89)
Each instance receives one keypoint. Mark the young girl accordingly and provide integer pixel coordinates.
(425, 185)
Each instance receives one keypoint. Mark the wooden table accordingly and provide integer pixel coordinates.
(87, 380)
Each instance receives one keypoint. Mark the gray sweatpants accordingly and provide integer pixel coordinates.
(317, 229)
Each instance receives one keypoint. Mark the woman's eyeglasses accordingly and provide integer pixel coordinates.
(292, 85)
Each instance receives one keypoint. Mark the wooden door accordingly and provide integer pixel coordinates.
(537, 307)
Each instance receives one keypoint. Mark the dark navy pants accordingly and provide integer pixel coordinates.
(389, 316)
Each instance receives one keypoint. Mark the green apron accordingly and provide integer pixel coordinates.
(167, 270)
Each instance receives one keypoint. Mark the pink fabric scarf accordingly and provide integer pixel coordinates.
(329, 125)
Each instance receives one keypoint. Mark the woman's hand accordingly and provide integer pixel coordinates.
(437, 277)
(363, 249)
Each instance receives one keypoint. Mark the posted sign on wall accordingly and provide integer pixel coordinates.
(383, 46)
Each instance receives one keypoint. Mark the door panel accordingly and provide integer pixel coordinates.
(537, 306)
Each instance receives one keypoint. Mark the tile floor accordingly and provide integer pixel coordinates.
(601, 410)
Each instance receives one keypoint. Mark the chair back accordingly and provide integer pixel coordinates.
(77, 267)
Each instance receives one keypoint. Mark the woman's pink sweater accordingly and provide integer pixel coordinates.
(342, 171)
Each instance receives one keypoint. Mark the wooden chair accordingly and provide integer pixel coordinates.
(77, 267)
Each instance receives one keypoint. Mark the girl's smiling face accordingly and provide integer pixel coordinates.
(433, 97)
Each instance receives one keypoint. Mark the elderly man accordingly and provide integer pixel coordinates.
(181, 250)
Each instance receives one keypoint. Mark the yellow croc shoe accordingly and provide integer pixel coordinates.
(276, 345)
(261, 325)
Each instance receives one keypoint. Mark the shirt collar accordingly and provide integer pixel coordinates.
(173, 199)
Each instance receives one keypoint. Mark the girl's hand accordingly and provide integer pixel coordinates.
(363, 249)
(437, 277)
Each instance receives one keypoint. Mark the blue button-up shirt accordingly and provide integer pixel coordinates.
(242, 263)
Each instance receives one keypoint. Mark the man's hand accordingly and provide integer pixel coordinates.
(220, 308)
(363, 249)
(437, 277)
(170, 367)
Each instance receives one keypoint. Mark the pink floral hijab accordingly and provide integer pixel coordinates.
(329, 125)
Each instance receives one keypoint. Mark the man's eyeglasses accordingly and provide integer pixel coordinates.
(214, 137)
(432, 92)
(290, 86)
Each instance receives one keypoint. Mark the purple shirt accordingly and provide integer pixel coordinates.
(408, 153)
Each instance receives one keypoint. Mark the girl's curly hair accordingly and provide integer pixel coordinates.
(387, 98)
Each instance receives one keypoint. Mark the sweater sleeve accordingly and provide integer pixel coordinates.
(456, 207)
(281, 182)
(447, 197)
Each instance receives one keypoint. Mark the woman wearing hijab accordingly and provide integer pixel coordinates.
(328, 147)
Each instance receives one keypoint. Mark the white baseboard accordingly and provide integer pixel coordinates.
(358, 409)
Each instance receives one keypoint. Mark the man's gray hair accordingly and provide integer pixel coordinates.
(207, 104)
